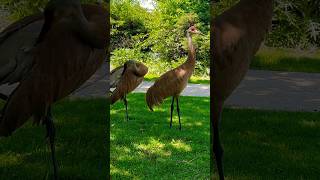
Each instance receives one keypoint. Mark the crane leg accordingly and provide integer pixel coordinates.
(3, 97)
(217, 148)
(51, 136)
(126, 105)
(172, 107)
(178, 110)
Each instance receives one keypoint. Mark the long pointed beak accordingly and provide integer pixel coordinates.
(199, 32)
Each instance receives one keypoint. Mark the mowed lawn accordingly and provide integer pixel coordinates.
(258, 144)
(81, 149)
(271, 145)
(146, 148)
(289, 60)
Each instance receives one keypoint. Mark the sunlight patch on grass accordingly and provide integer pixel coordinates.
(180, 145)
(153, 149)
(9, 159)
(117, 171)
(311, 123)
(157, 151)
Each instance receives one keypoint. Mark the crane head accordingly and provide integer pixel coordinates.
(193, 30)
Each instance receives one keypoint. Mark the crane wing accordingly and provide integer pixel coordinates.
(226, 38)
(115, 76)
(16, 46)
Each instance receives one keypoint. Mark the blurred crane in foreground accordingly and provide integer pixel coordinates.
(236, 36)
(51, 63)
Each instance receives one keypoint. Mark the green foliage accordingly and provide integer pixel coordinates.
(158, 37)
(128, 21)
(296, 23)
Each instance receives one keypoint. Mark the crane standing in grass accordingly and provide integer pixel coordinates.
(70, 48)
(174, 81)
(236, 36)
(125, 79)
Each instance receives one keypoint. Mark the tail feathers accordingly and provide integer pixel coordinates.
(153, 98)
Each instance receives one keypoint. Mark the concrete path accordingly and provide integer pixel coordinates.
(270, 90)
(260, 89)
(201, 90)
(278, 91)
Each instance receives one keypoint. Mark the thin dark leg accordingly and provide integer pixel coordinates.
(3, 97)
(126, 104)
(51, 136)
(217, 148)
(178, 110)
(172, 107)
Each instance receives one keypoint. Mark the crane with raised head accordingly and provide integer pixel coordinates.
(236, 36)
(125, 79)
(173, 82)
(50, 56)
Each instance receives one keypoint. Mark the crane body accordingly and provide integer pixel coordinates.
(236, 36)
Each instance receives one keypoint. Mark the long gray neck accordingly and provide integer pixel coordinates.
(191, 49)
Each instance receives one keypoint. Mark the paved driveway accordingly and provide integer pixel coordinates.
(260, 89)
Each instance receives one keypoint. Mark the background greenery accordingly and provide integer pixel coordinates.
(296, 23)
(158, 37)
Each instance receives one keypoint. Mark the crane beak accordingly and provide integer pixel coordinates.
(199, 32)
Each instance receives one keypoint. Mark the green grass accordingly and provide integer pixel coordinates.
(80, 144)
(258, 144)
(193, 79)
(289, 60)
(146, 148)
(270, 145)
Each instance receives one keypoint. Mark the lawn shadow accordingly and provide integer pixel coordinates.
(80, 145)
(270, 145)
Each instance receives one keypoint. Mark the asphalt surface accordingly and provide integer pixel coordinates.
(270, 90)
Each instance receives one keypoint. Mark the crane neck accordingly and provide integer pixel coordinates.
(191, 50)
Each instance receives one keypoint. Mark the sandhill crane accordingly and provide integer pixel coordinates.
(70, 48)
(174, 81)
(236, 36)
(125, 79)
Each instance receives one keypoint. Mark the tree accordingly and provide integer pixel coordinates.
(159, 36)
